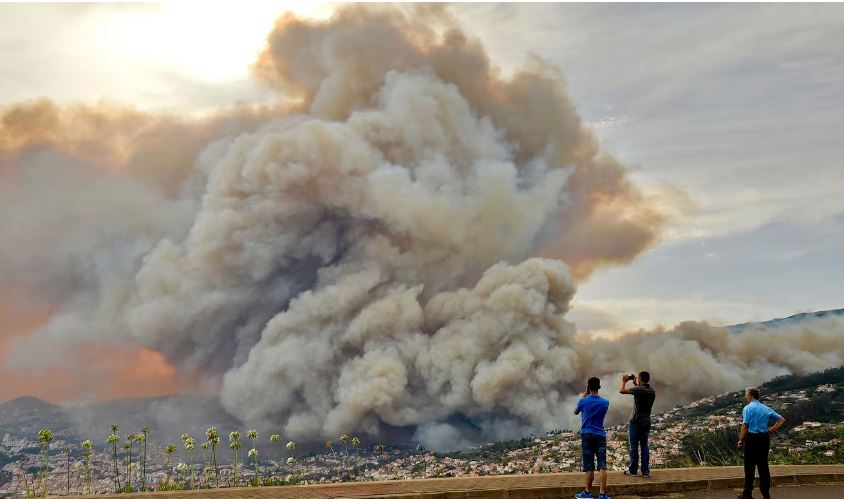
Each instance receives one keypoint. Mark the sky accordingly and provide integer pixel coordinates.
(736, 108)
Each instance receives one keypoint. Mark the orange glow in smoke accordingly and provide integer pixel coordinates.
(92, 373)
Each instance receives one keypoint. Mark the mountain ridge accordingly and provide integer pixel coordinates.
(787, 321)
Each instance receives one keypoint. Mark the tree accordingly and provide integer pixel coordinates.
(356, 445)
(142, 437)
(234, 443)
(291, 446)
(214, 439)
(253, 453)
(276, 438)
(113, 439)
(291, 461)
(130, 441)
(86, 446)
(45, 436)
(252, 435)
(169, 450)
(330, 445)
(345, 439)
(204, 477)
(190, 445)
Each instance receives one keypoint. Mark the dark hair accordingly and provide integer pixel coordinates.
(753, 392)
(593, 384)
(645, 376)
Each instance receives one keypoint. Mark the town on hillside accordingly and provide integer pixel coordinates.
(699, 434)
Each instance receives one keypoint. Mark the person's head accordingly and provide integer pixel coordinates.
(593, 385)
(644, 378)
(751, 393)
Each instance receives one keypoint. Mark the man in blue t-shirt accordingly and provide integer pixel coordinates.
(755, 438)
(593, 437)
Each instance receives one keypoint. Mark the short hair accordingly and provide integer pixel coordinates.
(645, 376)
(593, 384)
(753, 392)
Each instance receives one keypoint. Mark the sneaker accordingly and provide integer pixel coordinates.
(583, 495)
(745, 496)
(646, 475)
(604, 496)
(627, 473)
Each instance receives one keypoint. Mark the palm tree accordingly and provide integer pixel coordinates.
(113, 439)
(275, 438)
(45, 436)
(345, 439)
(142, 437)
(330, 445)
(86, 446)
(291, 446)
(234, 443)
(182, 468)
(190, 444)
(214, 439)
(179, 482)
(204, 477)
(356, 444)
(291, 461)
(169, 450)
(252, 435)
(253, 453)
(134, 470)
(130, 441)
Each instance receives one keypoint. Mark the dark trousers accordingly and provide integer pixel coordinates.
(756, 448)
(638, 433)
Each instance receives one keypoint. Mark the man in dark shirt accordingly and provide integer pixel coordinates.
(640, 421)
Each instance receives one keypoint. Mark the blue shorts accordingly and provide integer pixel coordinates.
(593, 446)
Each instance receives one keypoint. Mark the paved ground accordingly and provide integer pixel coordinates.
(543, 486)
(789, 492)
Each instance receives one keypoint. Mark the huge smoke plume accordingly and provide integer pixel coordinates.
(363, 259)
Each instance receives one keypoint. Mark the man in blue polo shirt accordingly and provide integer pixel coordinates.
(755, 438)
(593, 437)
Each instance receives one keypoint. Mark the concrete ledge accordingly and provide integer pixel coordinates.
(542, 486)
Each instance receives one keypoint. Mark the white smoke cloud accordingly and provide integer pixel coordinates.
(366, 260)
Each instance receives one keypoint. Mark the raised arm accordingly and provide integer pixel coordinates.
(579, 405)
(623, 388)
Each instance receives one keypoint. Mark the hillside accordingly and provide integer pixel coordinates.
(168, 417)
(24, 416)
(786, 321)
(813, 406)
(701, 433)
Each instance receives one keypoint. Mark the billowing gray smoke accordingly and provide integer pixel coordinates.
(364, 260)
